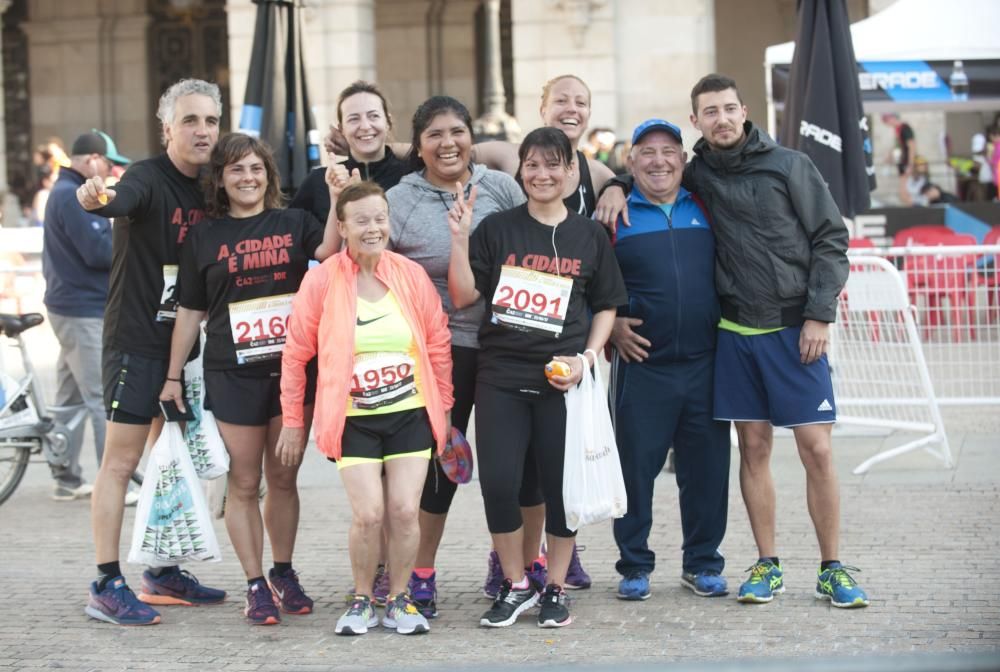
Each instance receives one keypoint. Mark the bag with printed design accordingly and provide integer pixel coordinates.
(593, 485)
(208, 452)
(172, 521)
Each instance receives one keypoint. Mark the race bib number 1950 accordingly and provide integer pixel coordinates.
(382, 378)
(531, 300)
(259, 327)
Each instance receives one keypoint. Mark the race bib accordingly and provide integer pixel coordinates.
(167, 312)
(382, 378)
(531, 300)
(259, 327)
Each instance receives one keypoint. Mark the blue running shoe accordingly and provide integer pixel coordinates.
(118, 604)
(494, 577)
(177, 587)
(634, 586)
(706, 584)
(424, 593)
(576, 577)
(836, 585)
(538, 572)
(380, 586)
(766, 580)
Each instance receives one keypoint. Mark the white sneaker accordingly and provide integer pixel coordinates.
(64, 494)
(131, 497)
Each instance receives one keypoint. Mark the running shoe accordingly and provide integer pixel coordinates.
(836, 585)
(402, 616)
(554, 612)
(260, 606)
(177, 587)
(65, 493)
(538, 572)
(424, 593)
(509, 604)
(118, 604)
(766, 580)
(576, 577)
(634, 586)
(360, 616)
(380, 586)
(706, 584)
(288, 592)
(494, 577)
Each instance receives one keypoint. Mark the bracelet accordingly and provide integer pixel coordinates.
(174, 380)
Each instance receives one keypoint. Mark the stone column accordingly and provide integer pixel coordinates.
(495, 123)
(11, 209)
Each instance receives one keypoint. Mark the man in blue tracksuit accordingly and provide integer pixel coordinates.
(662, 371)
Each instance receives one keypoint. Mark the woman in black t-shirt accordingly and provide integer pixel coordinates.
(543, 271)
(364, 124)
(241, 269)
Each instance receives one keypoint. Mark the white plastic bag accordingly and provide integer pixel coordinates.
(172, 521)
(593, 486)
(208, 452)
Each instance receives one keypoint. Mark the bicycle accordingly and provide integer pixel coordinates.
(28, 426)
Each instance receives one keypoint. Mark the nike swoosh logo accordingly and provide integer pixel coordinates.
(362, 323)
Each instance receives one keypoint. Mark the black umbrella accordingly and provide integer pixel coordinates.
(823, 113)
(276, 106)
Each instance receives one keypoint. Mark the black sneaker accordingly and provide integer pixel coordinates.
(554, 613)
(509, 604)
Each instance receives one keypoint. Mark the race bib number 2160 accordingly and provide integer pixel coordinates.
(259, 327)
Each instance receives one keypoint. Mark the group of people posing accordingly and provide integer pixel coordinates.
(449, 275)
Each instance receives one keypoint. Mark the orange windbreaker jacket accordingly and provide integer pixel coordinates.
(322, 322)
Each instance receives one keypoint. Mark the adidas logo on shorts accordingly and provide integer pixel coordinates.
(825, 406)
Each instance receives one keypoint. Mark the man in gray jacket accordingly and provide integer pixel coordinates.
(781, 262)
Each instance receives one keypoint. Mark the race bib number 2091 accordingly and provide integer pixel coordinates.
(531, 300)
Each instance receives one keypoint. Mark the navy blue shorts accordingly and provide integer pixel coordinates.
(761, 379)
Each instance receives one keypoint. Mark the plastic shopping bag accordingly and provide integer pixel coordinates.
(593, 486)
(172, 521)
(208, 452)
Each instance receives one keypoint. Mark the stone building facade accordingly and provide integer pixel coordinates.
(70, 66)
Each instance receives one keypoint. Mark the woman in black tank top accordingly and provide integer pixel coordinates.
(566, 106)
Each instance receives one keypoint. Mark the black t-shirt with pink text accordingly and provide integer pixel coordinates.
(154, 209)
(541, 286)
(244, 272)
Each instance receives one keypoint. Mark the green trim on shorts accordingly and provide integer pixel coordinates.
(737, 328)
(352, 461)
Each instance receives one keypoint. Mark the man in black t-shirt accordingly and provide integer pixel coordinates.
(155, 204)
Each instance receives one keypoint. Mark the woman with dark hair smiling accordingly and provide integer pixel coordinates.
(544, 271)
(418, 211)
(364, 122)
(241, 269)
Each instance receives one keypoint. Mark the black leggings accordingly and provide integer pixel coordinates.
(515, 431)
(438, 490)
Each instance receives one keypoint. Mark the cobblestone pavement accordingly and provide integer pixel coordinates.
(926, 538)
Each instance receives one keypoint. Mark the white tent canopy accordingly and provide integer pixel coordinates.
(920, 30)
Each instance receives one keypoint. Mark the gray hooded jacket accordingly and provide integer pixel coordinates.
(418, 212)
(781, 244)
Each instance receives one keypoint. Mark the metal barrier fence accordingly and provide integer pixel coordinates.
(917, 328)
(955, 294)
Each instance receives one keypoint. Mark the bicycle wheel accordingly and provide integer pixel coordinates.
(13, 464)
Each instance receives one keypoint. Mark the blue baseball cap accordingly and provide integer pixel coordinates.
(655, 125)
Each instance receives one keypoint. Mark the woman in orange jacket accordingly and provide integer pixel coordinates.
(383, 397)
